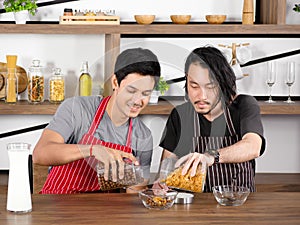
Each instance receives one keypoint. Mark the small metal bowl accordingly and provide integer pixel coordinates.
(184, 198)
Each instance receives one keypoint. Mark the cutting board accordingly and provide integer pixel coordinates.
(22, 79)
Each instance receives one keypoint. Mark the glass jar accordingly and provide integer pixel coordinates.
(57, 87)
(11, 90)
(18, 193)
(36, 83)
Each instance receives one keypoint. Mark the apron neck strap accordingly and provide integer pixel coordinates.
(98, 116)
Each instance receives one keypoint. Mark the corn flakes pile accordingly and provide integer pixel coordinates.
(194, 184)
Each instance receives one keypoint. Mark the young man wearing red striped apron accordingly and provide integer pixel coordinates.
(107, 129)
(215, 125)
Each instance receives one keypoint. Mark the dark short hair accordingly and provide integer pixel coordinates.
(137, 60)
(218, 67)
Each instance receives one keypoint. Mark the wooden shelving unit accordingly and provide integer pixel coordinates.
(162, 108)
(152, 29)
(272, 19)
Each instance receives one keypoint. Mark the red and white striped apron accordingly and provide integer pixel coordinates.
(223, 173)
(80, 175)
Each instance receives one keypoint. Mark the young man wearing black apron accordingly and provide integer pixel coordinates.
(86, 130)
(215, 125)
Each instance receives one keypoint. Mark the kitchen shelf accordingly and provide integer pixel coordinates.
(162, 108)
(158, 29)
(273, 25)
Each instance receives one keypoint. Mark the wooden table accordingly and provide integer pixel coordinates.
(260, 208)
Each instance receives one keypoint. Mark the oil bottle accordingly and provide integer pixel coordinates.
(85, 81)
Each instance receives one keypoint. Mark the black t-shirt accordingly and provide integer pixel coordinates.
(179, 130)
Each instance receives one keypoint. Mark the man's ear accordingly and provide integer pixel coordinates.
(114, 82)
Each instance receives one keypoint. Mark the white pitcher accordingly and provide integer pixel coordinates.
(18, 195)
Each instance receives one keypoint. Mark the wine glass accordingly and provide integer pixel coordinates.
(271, 79)
(290, 79)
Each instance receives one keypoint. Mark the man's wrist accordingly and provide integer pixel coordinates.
(215, 153)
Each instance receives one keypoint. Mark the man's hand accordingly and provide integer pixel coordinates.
(110, 157)
(193, 160)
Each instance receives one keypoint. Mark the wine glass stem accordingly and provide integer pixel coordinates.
(270, 96)
(289, 98)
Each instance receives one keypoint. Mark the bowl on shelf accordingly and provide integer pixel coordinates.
(144, 19)
(215, 19)
(158, 198)
(180, 19)
(228, 195)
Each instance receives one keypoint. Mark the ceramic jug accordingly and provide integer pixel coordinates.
(18, 194)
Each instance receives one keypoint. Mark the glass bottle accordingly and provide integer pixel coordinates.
(85, 81)
(18, 193)
(11, 81)
(35, 83)
(57, 87)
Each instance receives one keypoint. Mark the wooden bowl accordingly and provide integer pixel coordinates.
(180, 19)
(215, 19)
(144, 19)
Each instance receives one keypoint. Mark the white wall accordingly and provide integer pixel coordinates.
(68, 51)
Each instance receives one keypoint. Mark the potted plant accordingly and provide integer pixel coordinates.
(161, 87)
(297, 8)
(20, 8)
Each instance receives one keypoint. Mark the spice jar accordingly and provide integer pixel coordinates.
(35, 83)
(68, 12)
(57, 87)
(90, 14)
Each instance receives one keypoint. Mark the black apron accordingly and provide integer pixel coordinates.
(223, 173)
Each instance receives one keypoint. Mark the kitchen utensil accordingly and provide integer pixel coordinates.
(144, 19)
(180, 19)
(215, 19)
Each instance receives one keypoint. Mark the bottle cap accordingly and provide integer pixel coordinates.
(57, 71)
(68, 10)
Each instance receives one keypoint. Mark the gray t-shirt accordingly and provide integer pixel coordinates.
(74, 116)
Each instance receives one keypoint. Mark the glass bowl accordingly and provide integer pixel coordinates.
(158, 198)
(230, 195)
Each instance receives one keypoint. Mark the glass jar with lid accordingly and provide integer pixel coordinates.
(57, 87)
(36, 83)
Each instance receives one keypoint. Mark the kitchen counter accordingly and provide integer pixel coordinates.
(260, 208)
